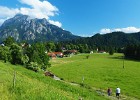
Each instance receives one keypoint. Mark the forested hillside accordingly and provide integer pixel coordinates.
(116, 40)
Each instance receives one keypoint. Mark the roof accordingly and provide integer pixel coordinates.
(58, 53)
(72, 51)
(51, 54)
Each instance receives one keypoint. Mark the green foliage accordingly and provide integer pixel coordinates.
(58, 47)
(36, 53)
(25, 59)
(87, 56)
(9, 41)
(33, 66)
(16, 54)
(83, 48)
(36, 57)
(5, 53)
(118, 40)
(111, 51)
(132, 51)
(25, 54)
(29, 50)
(50, 46)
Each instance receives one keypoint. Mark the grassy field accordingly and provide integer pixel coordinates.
(100, 71)
(35, 86)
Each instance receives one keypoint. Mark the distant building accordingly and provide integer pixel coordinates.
(2, 44)
(55, 54)
(58, 54)
(102, 51)
(97, 50)
(91, 52)
(70, 52)
(51, 55)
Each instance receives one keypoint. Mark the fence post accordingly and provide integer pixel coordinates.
(14, 79)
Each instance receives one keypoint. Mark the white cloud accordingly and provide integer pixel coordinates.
(55, 23)
(104, 31)
(43, 8)
(1, 21)
(36, 9)
(130, 29)
(125, 30)
(7, 12)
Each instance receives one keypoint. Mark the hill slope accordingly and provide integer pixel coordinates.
(35, 86)
(115, 39)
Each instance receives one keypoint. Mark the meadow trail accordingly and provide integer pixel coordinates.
(113, 96)
(101, 92)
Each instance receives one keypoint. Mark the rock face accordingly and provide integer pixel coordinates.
(23, 28)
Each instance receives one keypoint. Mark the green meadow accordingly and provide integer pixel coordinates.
(29, 85)
(101, 71)
(81, 78)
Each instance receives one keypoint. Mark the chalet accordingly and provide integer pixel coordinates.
(55, 54)
(58, 54)
(51, 55)
(102, 51)
(71, 51)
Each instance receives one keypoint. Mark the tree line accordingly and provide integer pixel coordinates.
(31, 56)
(34, 56)
(132, 51)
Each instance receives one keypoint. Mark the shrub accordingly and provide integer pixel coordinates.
(33, 66)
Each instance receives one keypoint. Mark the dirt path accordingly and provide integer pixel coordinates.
(113, 96)
(103, 93)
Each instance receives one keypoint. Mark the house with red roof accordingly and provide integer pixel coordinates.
(55, 54)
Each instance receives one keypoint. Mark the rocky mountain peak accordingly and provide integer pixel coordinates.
(23, 28)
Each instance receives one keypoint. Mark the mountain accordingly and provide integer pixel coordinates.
(114, 39)
(23, 28)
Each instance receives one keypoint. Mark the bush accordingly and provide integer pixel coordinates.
(111, 51)
(33, 66)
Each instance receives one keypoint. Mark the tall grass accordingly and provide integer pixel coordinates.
(35, 86)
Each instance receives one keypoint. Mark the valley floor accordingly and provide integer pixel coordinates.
(80, 78)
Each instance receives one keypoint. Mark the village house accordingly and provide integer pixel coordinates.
(58, 54)
(55, 54)
(102, 51)
(70, 52)
(52, 55)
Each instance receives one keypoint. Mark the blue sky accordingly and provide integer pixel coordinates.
(81, 17)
